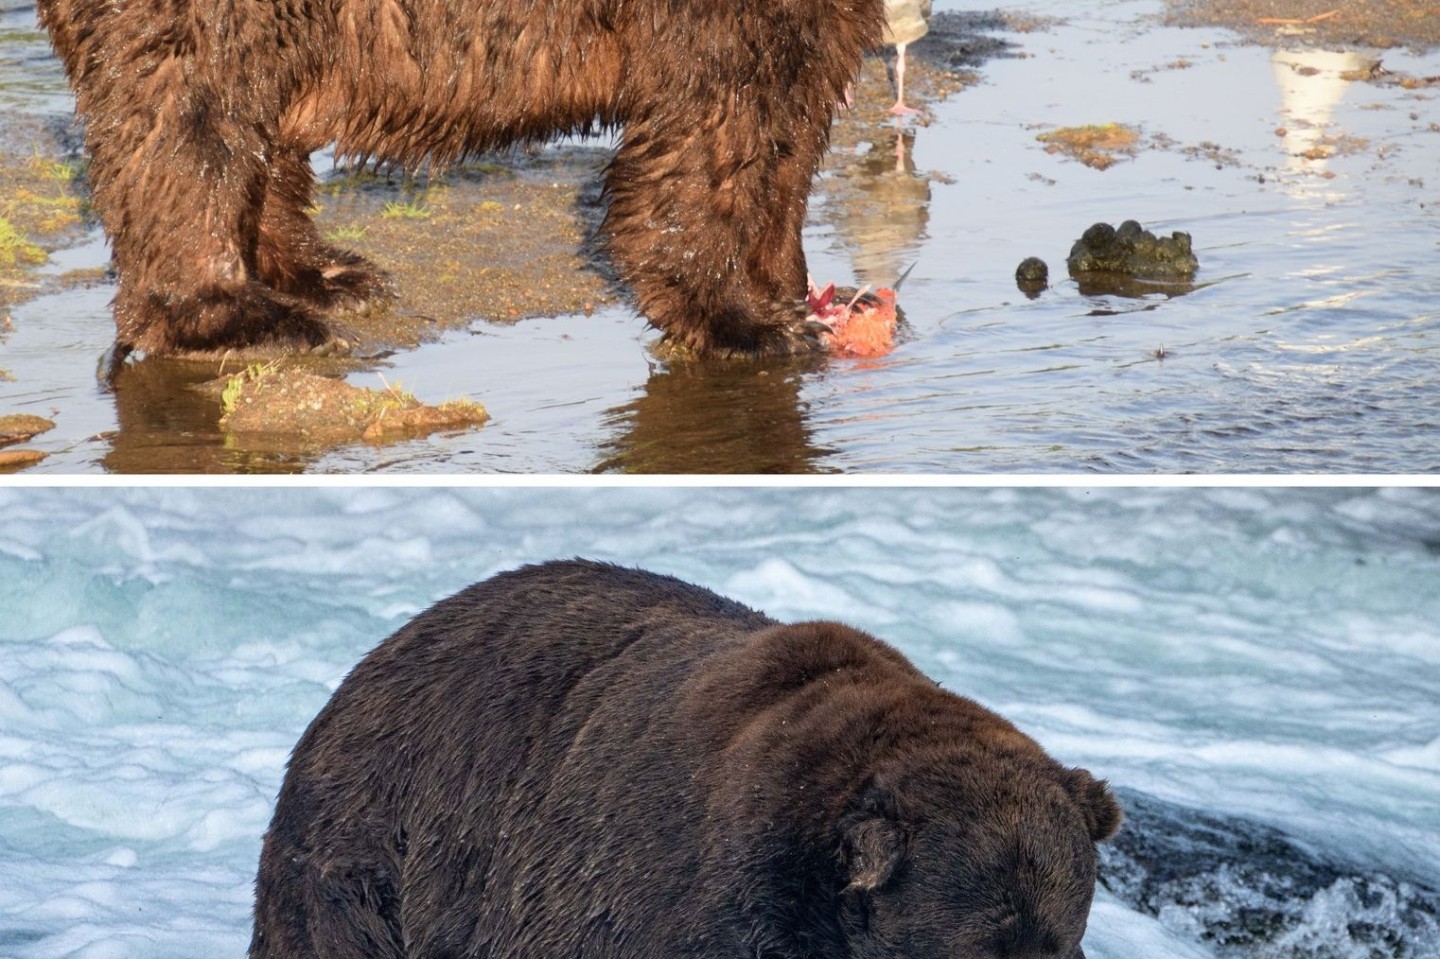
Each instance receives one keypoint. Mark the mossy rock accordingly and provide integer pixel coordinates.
(19, 427)
(275, 400)
(1134, 252)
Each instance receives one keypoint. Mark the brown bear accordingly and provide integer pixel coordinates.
(201, 116)
(582, 761)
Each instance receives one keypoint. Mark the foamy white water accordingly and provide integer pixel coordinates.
(1269, 654)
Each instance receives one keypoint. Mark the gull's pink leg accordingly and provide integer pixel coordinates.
(900, 109)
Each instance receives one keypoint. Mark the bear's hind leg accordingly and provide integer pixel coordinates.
(292, 257)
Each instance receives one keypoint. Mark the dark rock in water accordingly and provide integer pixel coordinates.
(1032, 276)
(1032, 269)
(1246, 889)
(1133, 252)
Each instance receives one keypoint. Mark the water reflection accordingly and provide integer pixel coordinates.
(737, 419)
(31, 79)
(1312, 84)
(168, 424)
(883, 208)
(1129, 287)
(725, 417)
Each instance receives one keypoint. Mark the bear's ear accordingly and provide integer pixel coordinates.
(873, 848)
(872, 845)
(1102, 814)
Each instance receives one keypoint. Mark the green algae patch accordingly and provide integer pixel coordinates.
(1098, 146)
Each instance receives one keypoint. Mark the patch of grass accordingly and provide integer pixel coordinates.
(235, 385)
(351, 178)
(393, 397)
(486, 166)
(60, 202)
(45, 214)
(349, 233)
(46, 205)
(15, 249)
(329, 411)
(63, 171)
(464, 406)
(406, 211)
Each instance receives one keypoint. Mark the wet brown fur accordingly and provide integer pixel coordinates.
(201, 114)
(578, 760)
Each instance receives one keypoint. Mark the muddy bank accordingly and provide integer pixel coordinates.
(1414, 24)
(499, 240)
(489, 242)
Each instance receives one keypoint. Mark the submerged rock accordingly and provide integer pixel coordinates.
(1247, 889)
(1133, 251)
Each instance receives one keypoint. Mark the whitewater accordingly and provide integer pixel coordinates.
(1256, 670)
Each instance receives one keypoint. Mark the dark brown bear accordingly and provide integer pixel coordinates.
(578, 761)
(201, 116)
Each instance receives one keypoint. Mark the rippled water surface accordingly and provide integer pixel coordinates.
(1245, 664)
(1309, 344)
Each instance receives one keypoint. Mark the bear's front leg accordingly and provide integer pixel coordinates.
(700, 226)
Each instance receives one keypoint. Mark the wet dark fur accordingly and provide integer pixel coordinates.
(201, 113)
(576, 760)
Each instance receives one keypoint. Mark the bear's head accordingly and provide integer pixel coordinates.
(964, 857)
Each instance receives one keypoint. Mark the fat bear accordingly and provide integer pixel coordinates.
(582, 761)
(201, 116)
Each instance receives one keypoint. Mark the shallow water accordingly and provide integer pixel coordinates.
(1252, 660)
(30, 77)
(1309, 344)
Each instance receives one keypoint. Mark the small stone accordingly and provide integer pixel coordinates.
(1032, 269)
(12, 460)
